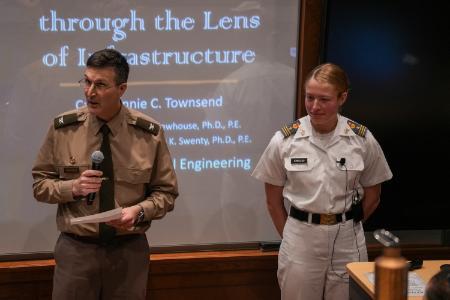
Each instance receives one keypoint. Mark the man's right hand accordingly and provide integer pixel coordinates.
(88, 182)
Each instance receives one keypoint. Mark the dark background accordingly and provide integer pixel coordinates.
(396, 54)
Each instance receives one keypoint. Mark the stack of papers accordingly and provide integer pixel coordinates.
(106, 216)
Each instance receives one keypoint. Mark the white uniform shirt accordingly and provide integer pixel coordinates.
(310, 172)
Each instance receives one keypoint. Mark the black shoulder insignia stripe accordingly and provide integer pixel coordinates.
(290, 129)
(357, 128)
(151, 127)
(65, 120)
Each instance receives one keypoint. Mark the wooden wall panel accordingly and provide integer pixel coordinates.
(244, 274)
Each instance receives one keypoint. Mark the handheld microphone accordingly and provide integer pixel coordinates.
(97, 158)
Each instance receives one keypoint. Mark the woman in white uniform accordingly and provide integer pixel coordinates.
(330, 170)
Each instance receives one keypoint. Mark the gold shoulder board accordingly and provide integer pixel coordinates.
(288, 130)
(357, 128)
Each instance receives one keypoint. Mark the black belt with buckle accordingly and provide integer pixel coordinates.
(117, 240)
(322, 219)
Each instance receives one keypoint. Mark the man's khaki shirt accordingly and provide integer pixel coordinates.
(143, 170)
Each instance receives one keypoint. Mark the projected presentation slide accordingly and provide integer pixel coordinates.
(220, 77)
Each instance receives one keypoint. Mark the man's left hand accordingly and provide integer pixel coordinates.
(129, 216)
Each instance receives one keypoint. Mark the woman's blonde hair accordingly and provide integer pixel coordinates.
(332, 74)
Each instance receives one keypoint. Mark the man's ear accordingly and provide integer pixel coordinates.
(123, 88)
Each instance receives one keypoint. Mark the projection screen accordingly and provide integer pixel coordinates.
(220, 76)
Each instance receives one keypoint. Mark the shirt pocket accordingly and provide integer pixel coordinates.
(67, 172)
(131, 184)
(132, 175)
(300, 163)
(353, 167)
(352, 163)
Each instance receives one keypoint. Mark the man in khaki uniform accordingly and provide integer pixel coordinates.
(104, 261)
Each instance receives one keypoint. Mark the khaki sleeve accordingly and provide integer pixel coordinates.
(162, 189)
(47, 187)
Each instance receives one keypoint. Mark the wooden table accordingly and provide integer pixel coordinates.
(361, 288)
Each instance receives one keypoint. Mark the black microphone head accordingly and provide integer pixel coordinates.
(97, 157)
(341, 161)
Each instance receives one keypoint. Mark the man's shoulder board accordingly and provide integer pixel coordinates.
(290, 129)
(146, 125)
(65, 120)
(357, 128)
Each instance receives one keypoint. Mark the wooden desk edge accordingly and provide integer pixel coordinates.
(184, 256)
(357, 271)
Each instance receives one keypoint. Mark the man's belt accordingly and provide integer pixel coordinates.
(116, 240)
(322, 219)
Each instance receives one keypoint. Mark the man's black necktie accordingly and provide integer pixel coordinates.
(106, 233)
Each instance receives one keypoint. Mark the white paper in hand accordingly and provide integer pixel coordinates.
(106, 216)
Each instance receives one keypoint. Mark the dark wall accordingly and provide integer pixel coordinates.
(396, 54)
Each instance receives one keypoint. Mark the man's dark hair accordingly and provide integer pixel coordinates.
(110, 58)
(438, 288)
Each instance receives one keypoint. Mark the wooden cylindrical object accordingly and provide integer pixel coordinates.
(391, 276)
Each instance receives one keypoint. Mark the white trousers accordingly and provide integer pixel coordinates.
(312, 259)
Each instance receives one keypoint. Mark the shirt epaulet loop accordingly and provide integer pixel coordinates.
(68, 119)
(358, 129)
(146, 125)
(290, 129)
